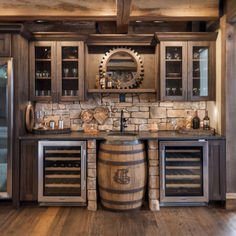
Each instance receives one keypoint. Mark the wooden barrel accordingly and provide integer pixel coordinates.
(122, 174)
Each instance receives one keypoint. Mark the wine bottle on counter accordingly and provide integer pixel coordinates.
(206, 121)
(196, 121)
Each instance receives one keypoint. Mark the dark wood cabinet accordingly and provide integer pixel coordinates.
(28, 170)
(5, 45)
(187, 66)
(217, 170)
(173, 69)
(57, 71)
(201, 70)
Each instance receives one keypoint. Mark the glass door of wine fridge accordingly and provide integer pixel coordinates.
(62, 172)
(184, 172)
(6, 126)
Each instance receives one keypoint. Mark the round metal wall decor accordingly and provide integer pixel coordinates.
(123, 67)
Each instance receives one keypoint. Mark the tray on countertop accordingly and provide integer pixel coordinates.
(52, 131)
(198, 132)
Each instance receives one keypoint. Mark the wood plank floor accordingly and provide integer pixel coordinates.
(70, 221)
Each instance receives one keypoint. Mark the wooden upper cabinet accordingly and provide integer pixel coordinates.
(173, 71)
(57, 71)
(43, 71)
(70, 72)
(201, 70)
(187, 66)
(5, 45)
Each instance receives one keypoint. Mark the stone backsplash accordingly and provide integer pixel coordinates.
(141, 111)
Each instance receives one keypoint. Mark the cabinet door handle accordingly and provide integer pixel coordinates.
(163, 169)
(84, 168)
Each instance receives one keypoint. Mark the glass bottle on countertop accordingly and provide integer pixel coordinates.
(206, 121)
(61, 123)
(196, 121)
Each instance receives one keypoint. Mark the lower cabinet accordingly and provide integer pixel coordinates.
(29, 170)
(217, 170)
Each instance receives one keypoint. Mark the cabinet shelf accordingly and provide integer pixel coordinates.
(178, 60)
(43, 78)
(169, 77)
(74, 59)
(69, 77)
(121, 90)
(205, 59)
(40, 96)
(42, 59)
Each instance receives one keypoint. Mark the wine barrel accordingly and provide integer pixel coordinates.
(122, 174)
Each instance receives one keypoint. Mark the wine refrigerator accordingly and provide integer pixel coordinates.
(62, 173)
(184, 172)
(6, 126)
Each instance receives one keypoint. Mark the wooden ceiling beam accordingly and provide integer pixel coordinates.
(123, 13)
(175, 14)
(17, 18)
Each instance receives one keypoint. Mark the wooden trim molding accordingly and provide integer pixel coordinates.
(230, 201)
(120, 39)
(185, 36)
(231, 196)
(15, 28)
(58, 36)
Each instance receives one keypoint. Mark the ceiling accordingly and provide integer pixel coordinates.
(120, 11)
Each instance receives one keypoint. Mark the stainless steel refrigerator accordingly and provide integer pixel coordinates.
(6, 126)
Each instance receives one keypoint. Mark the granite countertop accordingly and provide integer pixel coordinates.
(161, 135)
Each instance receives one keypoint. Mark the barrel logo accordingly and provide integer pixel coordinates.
(121, 176)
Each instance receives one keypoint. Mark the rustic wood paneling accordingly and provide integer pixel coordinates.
(5, 45)
(231, 10)
(223, 74)
(28, 170)
(230, 106)
(217, 170)
(99, 10)
(21, 89)
(174, 10)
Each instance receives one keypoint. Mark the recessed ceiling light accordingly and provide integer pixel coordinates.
(41, 21)
(158, 21)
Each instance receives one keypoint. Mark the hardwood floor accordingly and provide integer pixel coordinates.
(70, 221)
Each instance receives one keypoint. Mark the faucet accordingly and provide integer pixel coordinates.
(122, 122)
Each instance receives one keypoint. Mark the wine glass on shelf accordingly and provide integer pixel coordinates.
(66, 72)
(75, 72)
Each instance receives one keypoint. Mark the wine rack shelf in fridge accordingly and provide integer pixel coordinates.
(62, 173)
(184, 172)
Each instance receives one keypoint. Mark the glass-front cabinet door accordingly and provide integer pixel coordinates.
(173, 70)
(57, 71)
(42, 71)
(199, 70)
(70, 70)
